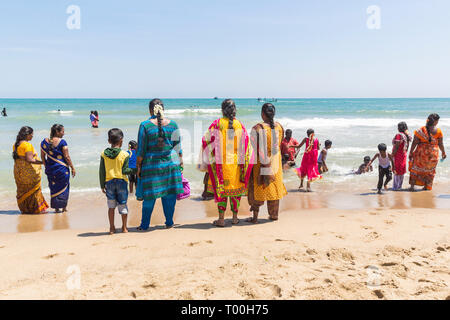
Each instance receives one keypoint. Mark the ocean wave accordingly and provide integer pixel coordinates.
(355, 122)
(192, 110)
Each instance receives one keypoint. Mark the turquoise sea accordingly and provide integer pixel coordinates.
(356, 127)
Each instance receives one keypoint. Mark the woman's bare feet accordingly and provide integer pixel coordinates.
(385, 187)
(124, 230)
(252, 220)
(57, 211)
(411, 189)
(112, 230)
(65, 210)
(219, 223)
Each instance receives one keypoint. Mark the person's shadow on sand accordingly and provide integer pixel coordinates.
(10, 212)
(228, 224)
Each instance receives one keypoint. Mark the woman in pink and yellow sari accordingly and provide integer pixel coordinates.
(226, 153)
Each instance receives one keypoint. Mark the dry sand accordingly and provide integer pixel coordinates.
(307, 254)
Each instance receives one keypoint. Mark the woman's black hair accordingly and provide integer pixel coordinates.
(432, 119)
(22, 135)
(96, 113)
(159, 116)
(269, 110)
(53, 131)
(367, 158)
(229, 111)
(309, 132)
(403, 127)
(328, 143)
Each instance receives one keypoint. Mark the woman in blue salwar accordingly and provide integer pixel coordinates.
(55, 155)
(159, 164)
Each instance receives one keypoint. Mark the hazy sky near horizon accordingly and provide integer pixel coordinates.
(233, 48)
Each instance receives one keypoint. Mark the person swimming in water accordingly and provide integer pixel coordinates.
(4, 112)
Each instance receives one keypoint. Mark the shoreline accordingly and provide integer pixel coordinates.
(89, 210)
(309, 254)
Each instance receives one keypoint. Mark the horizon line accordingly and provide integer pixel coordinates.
(218, 98)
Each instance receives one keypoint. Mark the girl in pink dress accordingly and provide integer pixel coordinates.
(309, 167)
(400, 145)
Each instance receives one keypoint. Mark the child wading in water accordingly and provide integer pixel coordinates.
(364, 165)
(132, 149)
(323, 157)
(309, 167)
(384, 169)
(113, 178)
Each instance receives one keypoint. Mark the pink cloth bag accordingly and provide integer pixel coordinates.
(187, 189)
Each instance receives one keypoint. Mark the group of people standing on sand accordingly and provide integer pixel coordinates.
(27, 171)
(236, 163)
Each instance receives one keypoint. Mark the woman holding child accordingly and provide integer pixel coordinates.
(424, 154)
(226, 152)
(266, 182)
(56, 159)
(27, 174)
(159, 164)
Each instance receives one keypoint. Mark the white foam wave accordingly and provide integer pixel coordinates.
(62, 112)
(355, 122)
(193, 110)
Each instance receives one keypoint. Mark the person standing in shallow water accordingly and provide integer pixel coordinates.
(400, 146)
(424, 154)
(266, 182)
(159, 163)
(27, 174)
(56, 159)
(226, 152)
(4, 112)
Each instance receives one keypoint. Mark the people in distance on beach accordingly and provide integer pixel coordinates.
(226, 153)
(289, 149)
(56, 159)
(323, 157)
(4, 112)
(113, 178)
(266, 181)
(424, 154)
(132, 151)
(400, 146)
(94, 119)
(27, 174)
(365, 165)
(385, 165)
(309, 168)
(159, 164)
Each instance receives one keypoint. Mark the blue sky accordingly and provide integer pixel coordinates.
(207, 48)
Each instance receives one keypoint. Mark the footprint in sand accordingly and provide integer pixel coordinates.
(371, 236)
(388, 222)
(149, 285)
(366, 227)
(51, 256)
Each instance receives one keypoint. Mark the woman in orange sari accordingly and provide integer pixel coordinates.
(27, 173)
(424, 154)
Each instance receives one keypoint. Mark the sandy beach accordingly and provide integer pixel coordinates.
(381, 253)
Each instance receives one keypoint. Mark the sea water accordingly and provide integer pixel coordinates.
(356, 127)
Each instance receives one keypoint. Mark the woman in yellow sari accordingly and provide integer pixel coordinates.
(27, 173)
(226, 153)
(424, 154)
(266, 182)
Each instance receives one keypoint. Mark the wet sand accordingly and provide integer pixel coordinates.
(89, 211)
(377, 253)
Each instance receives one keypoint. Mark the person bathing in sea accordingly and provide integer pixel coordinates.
(113, 178)
(4, 112)
(289, 149)
(323, 157)
(94, 119)
(363, 166)
(385, 160)
(309, 167)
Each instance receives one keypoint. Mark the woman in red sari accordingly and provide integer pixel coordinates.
(400, 146)
(424, 154)
(309, 167)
